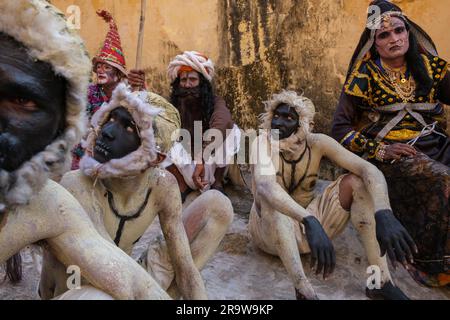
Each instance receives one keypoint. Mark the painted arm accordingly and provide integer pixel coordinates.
(103, 264)
(55, 216)
(372, 177)
(391, 235)
(264, 175)
(187, 276)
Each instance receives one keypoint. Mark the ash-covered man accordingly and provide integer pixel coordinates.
(121, 187)
(191, 75)
(284, 178)
(44, 72)
(109, 67)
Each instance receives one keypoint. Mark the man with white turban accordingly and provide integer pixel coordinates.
(201, 111)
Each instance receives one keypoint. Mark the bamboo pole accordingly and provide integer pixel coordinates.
(141, 35)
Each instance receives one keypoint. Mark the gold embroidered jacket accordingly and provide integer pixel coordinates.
(369, 102)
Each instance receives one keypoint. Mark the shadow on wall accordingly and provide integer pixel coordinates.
(267, 45)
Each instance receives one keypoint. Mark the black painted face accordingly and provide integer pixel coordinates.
(285, 119)
(32, 104)
(118, 137)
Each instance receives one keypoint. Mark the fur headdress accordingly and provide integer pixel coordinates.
(304, 108)
(43, 30)
(135, 162)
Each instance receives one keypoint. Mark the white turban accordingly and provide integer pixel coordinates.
(191, 60)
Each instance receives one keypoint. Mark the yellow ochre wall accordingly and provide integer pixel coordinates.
(259, 46)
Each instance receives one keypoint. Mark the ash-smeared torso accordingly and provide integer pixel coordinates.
(298, 174)
(122, 220)
(50, 213)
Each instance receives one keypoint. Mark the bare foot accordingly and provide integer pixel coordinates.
(306, 292)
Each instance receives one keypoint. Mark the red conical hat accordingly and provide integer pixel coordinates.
(112, 52)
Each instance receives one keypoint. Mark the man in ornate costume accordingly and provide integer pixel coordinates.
(121, 187)
(110, 69)
(44, 72)
(285, 203)
(391, 111)
(191, 75)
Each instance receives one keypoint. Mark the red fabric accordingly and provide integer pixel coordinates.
(185, 69)
(112, 48)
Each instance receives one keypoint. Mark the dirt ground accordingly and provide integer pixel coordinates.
(241, 271)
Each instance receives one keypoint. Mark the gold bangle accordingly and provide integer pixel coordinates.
(380, 153)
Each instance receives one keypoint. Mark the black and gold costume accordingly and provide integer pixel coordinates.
(367, 106)
(372, 111)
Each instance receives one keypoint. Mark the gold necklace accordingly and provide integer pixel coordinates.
(404, 87)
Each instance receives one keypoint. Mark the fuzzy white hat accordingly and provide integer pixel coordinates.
(305, 110)
(303, 106)
(135, 162)
(43, 29)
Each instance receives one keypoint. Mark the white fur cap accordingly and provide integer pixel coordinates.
(303, 106)
(192, 59)
(137, 161)
(43, 30)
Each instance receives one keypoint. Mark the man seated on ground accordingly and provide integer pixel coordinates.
(121, 187)
(191, 75)
(44, 72)
(284, 178)
(110, 69)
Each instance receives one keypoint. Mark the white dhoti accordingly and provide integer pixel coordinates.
(223, 156)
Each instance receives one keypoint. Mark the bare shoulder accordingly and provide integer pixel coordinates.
(75, 178)
(166, 192)
(319, 139)
(50, 212)
(324, 142)
(54, 201)
(53, 192)
(161, 179)
(77, 183)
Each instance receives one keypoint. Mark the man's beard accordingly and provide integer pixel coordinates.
(189, 104)
(180, 92)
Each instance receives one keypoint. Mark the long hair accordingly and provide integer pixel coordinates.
(14, 268)
(416, 64)
(413, 56)
(207, 98)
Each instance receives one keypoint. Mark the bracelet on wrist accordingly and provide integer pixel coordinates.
(380, 153)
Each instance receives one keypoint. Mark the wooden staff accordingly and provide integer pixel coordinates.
(141, 35)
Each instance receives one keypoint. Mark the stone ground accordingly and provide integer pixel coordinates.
(241, 271)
